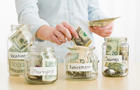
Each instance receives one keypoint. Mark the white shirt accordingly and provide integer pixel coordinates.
(52, 12)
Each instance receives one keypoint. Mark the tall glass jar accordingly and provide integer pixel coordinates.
(18, 43)
(115, 57)
(41, 65)
(81, 63)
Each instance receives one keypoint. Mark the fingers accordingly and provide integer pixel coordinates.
(71, 29)
(65, 31)
(55, 39)
(103, 28)
(60, 36)
(102, 31)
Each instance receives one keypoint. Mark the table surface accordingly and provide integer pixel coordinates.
(131, 82)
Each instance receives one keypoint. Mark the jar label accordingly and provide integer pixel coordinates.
(16, 66)
(80, 67)
(17, 55)
(39, 71)
(116, 58)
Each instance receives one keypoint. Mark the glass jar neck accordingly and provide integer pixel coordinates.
(120, 39)
(38, 48)
(81, 49)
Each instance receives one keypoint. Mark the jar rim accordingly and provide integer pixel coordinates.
(81, 48)
(39, 48)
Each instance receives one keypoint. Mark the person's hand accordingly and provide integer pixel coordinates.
(58, 34)
(102, 31)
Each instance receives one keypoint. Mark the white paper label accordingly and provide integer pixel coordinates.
(39, 71)
(17, 55)
(116, 58)
(80, 67)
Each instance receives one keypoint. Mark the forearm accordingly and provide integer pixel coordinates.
(27, 11)
(34, 22)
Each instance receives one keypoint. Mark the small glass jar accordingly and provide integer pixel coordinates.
(81, 63)
(115, 53)
(18, 43)
(41, 65)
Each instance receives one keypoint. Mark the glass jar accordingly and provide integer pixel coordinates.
(115, 57)
(18, 43)
(41, 65)
(81, 63)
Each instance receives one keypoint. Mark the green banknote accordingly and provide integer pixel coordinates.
(19, 40)
(113, 46)
(50, 62)
(102, 22)
(83, 39)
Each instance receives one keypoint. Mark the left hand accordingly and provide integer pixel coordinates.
(102, 31)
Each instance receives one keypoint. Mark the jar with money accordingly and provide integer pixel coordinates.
(40, 65)
(115, 57)
(18, 43)
(81, 63)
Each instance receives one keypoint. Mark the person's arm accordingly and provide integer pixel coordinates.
(27, 11)
(94, 11)
(28, 14)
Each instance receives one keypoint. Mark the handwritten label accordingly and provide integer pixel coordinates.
(39, 71)
(80, 67)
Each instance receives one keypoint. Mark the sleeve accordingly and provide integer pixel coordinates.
(27, 11)
(94, 12)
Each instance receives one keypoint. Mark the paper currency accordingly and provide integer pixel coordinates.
(113, 46)
(41, 66)
(102, 22)
(81, 63)
(115, 69)
(17, 48)
(124, 51)
(20, 41)
(49, 61)
(83, 39)
(115, 57)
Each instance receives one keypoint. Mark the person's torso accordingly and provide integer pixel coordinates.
(75, 12)
(55, 12)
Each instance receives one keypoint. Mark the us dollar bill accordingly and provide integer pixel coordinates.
(83, 39)
(21, 39)
(49, 61)
(80, 63)
(102, 22)
(115, 69)
(113, 46)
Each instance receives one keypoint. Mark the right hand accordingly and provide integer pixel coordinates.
(58, 34)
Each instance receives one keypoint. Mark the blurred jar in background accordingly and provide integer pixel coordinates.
(115, 57)
(40, 65)
(18, 43)
(81, 63)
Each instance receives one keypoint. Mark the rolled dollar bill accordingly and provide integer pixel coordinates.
(83, 39)
(102, 22)
(21, 39)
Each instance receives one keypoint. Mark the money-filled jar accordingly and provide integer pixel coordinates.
(115, 57)
(40, 65)
(18, 43)
(81, 63)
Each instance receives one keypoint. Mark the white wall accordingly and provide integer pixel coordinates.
(137, 32)
(125, 26)
(7, 17)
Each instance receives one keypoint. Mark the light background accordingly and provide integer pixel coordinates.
(127, 25)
